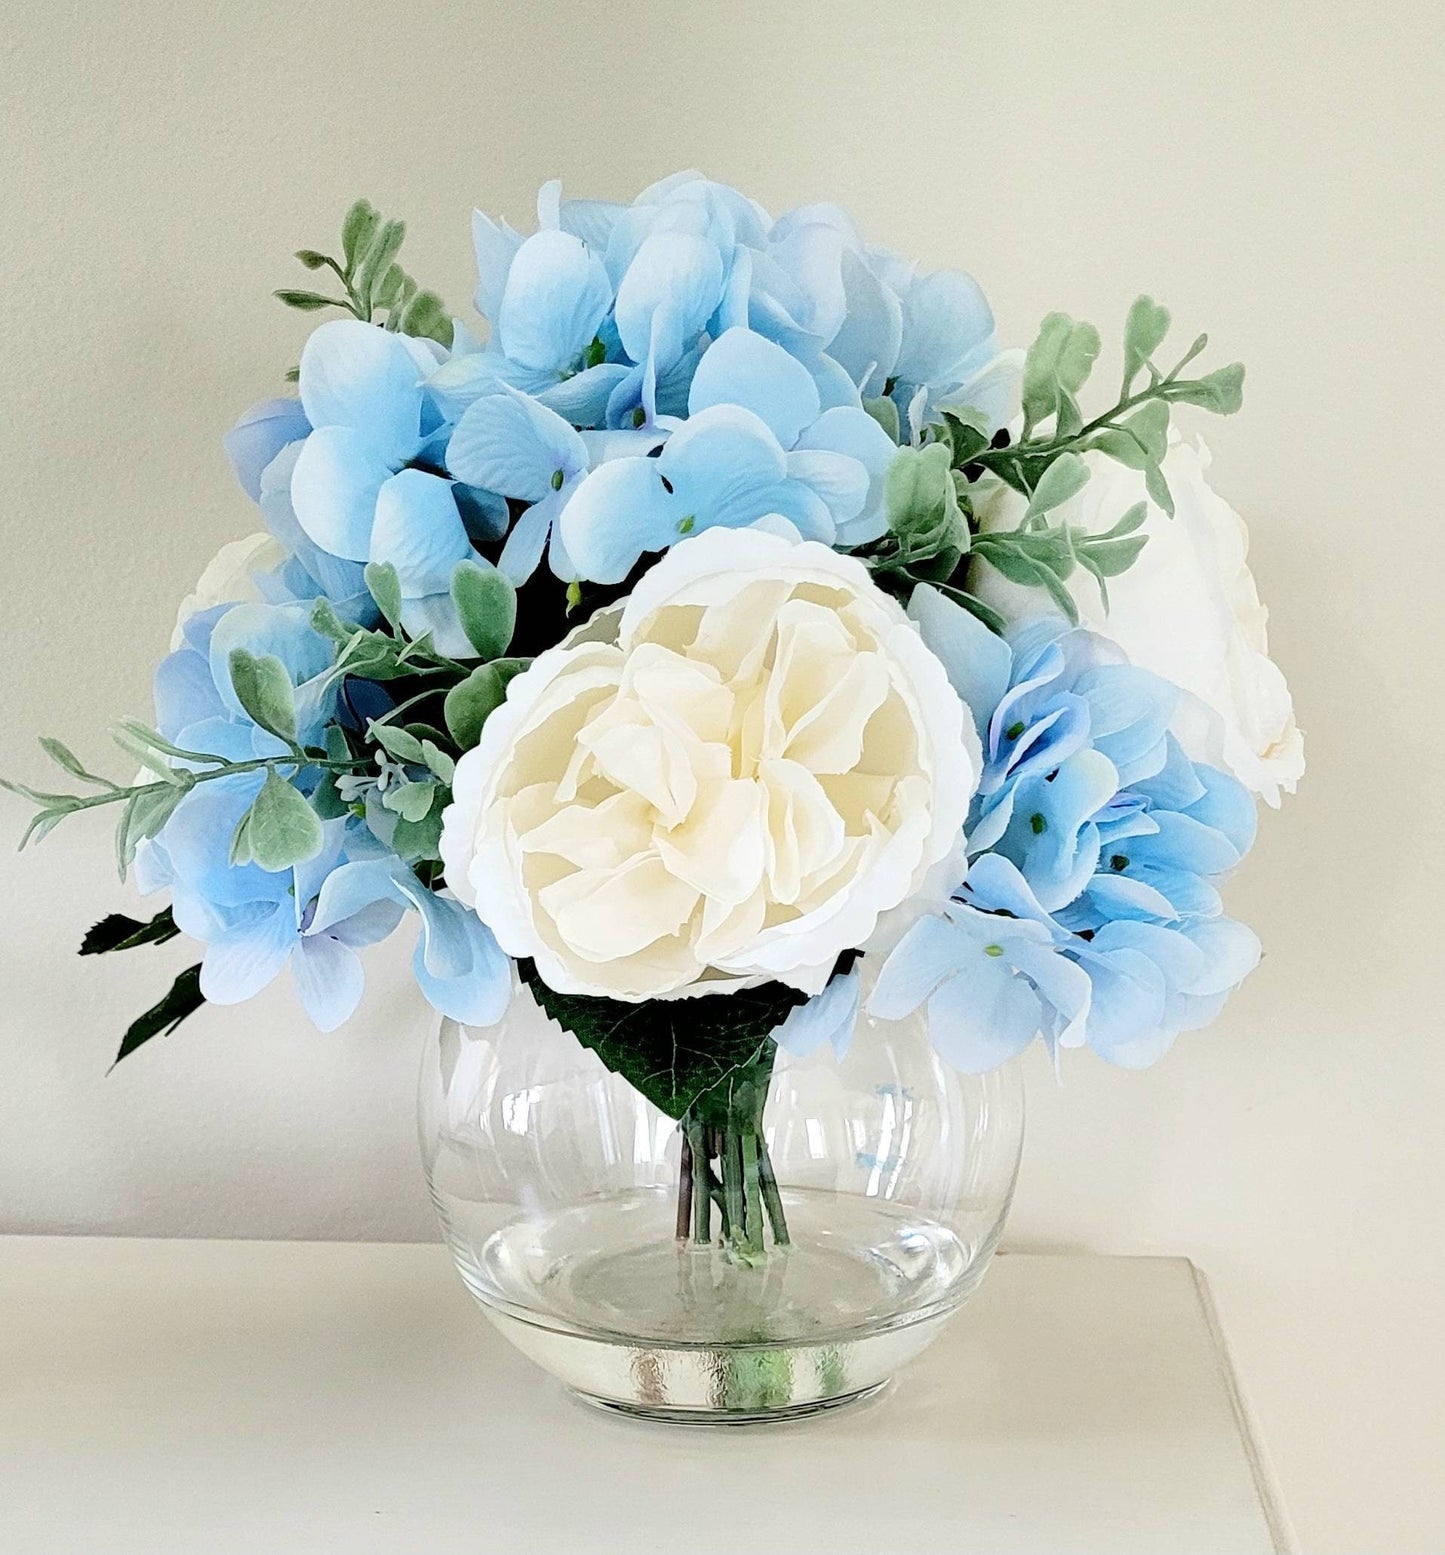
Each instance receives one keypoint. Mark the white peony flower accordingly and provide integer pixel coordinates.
(761, 760)
(1187, 609)
(229, 577)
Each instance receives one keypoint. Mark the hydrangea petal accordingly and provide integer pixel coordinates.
(361, 376)
(742, 368)
(419, 531)
(557, 294)
(334, 484)
(508, 443)
(329, 980)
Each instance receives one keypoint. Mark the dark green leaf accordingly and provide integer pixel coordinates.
(310, 258)
(470, 703)
(117, 932)
(683, 1055)
(184, 999)
(425, 316)
(307, 302)
(264, 689)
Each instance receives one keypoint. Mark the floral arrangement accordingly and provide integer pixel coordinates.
(730, 646)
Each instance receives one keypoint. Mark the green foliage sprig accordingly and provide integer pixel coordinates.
(934, 490)
(372, 280)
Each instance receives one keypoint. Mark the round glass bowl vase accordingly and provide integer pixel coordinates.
(595, 1232)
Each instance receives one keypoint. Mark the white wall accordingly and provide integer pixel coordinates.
(1272, 172)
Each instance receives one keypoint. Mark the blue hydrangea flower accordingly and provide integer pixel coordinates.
(315, 916)
(1096, 847)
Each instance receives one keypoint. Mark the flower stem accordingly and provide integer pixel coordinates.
(725, 1163)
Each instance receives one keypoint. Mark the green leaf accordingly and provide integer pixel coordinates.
(145, 812)
(1221, 391)
(1144, 332)
(307, 302)
(472, 701)
(486, 605)
(1131, 521)
(415, 841)
(310, 258)
(438, 761)
(411, 801)
(683, 1055)
(1149, 427)
(1060, 359)
(66, 758)
(885, 413)
(389, 290)
(184, 999)
(923, 507)
(384, 586)
(279, 830)
(1064, 479)
(1111, 557)
(379, 255)
(357, 230)
(117, 932)
(263, 688)
(425, 316)
(1158, 488)
(397, 742)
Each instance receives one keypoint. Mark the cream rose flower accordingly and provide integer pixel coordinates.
(230, 577)
(1187, 609)
(760, 760)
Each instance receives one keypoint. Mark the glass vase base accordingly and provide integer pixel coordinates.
(778, 1415)
(606, 1298)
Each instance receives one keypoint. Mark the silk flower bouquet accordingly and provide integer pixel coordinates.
(729, 650)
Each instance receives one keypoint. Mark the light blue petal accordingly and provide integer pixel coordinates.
(508, 443)
(1061, 983)
(242, 962)
(1184, 843)
(946, 318)
(351, 889)
(1129, 714)
(1126, 1016)
(670, 289)
(259, 436)
(831, 1016)
(933, 949)
(329, 980)
(583, 398)
(995, 884)
(184, 692)
(479, 994)
(984, 1017)
(616, 513)
(528, 538)
(978, 662)
(282, 631)
(836, 390)
(741, 368)
(1230, 952)
(364, 377)
(496, 244)
(725, 467)
(838, 481)
(557, 294)
(333, 490)
(590, 220)
(1116, 895)
(867, 344)
(463, 380)
(1227, 806)
(847, 430)
(436, 615)
(419, 531)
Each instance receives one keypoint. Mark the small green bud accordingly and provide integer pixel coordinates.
(1037, 824)
(557, 479)
(993, 950)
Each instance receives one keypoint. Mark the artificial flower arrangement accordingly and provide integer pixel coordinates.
(731, 638)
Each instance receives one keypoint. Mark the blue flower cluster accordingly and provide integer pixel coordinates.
(316, 915)
(1091, 912)
(651, 371)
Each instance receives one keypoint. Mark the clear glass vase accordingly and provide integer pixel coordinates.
(783, 1257)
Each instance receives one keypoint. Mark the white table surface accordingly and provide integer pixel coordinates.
(200, 1398)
